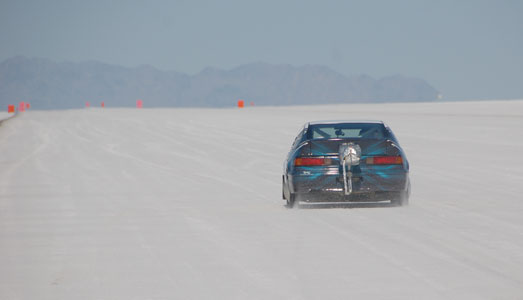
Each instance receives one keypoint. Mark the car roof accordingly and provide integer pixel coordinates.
(345, 122)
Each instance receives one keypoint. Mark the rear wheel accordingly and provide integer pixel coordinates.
(291, 201)
(402, 199)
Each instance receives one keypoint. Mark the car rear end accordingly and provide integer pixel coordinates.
(315, 170)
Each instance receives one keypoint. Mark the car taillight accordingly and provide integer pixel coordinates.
(384, 160)
(309, 161)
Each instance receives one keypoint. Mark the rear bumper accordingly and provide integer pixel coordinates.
(374, 185)
(324, 197)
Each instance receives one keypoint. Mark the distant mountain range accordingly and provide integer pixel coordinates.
(50, 85)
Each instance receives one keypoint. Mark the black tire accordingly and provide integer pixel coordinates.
(291, 201)
(402, 199)
(283, 185)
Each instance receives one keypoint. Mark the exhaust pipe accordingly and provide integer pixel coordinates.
(350, 155)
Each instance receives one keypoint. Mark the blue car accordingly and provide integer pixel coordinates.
(346, 161)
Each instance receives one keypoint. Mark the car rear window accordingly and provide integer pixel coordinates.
(346, 131)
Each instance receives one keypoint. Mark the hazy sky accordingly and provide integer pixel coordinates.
(465, 49)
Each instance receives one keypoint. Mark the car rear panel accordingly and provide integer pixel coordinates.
(366, 178)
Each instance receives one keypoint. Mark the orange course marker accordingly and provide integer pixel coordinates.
(11, 108)
(103, 104)
(87, 104)
(139, 103)
(241, 103)
(21, 106)
(27, 105)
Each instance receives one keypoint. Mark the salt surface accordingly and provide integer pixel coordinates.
(186, 204)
